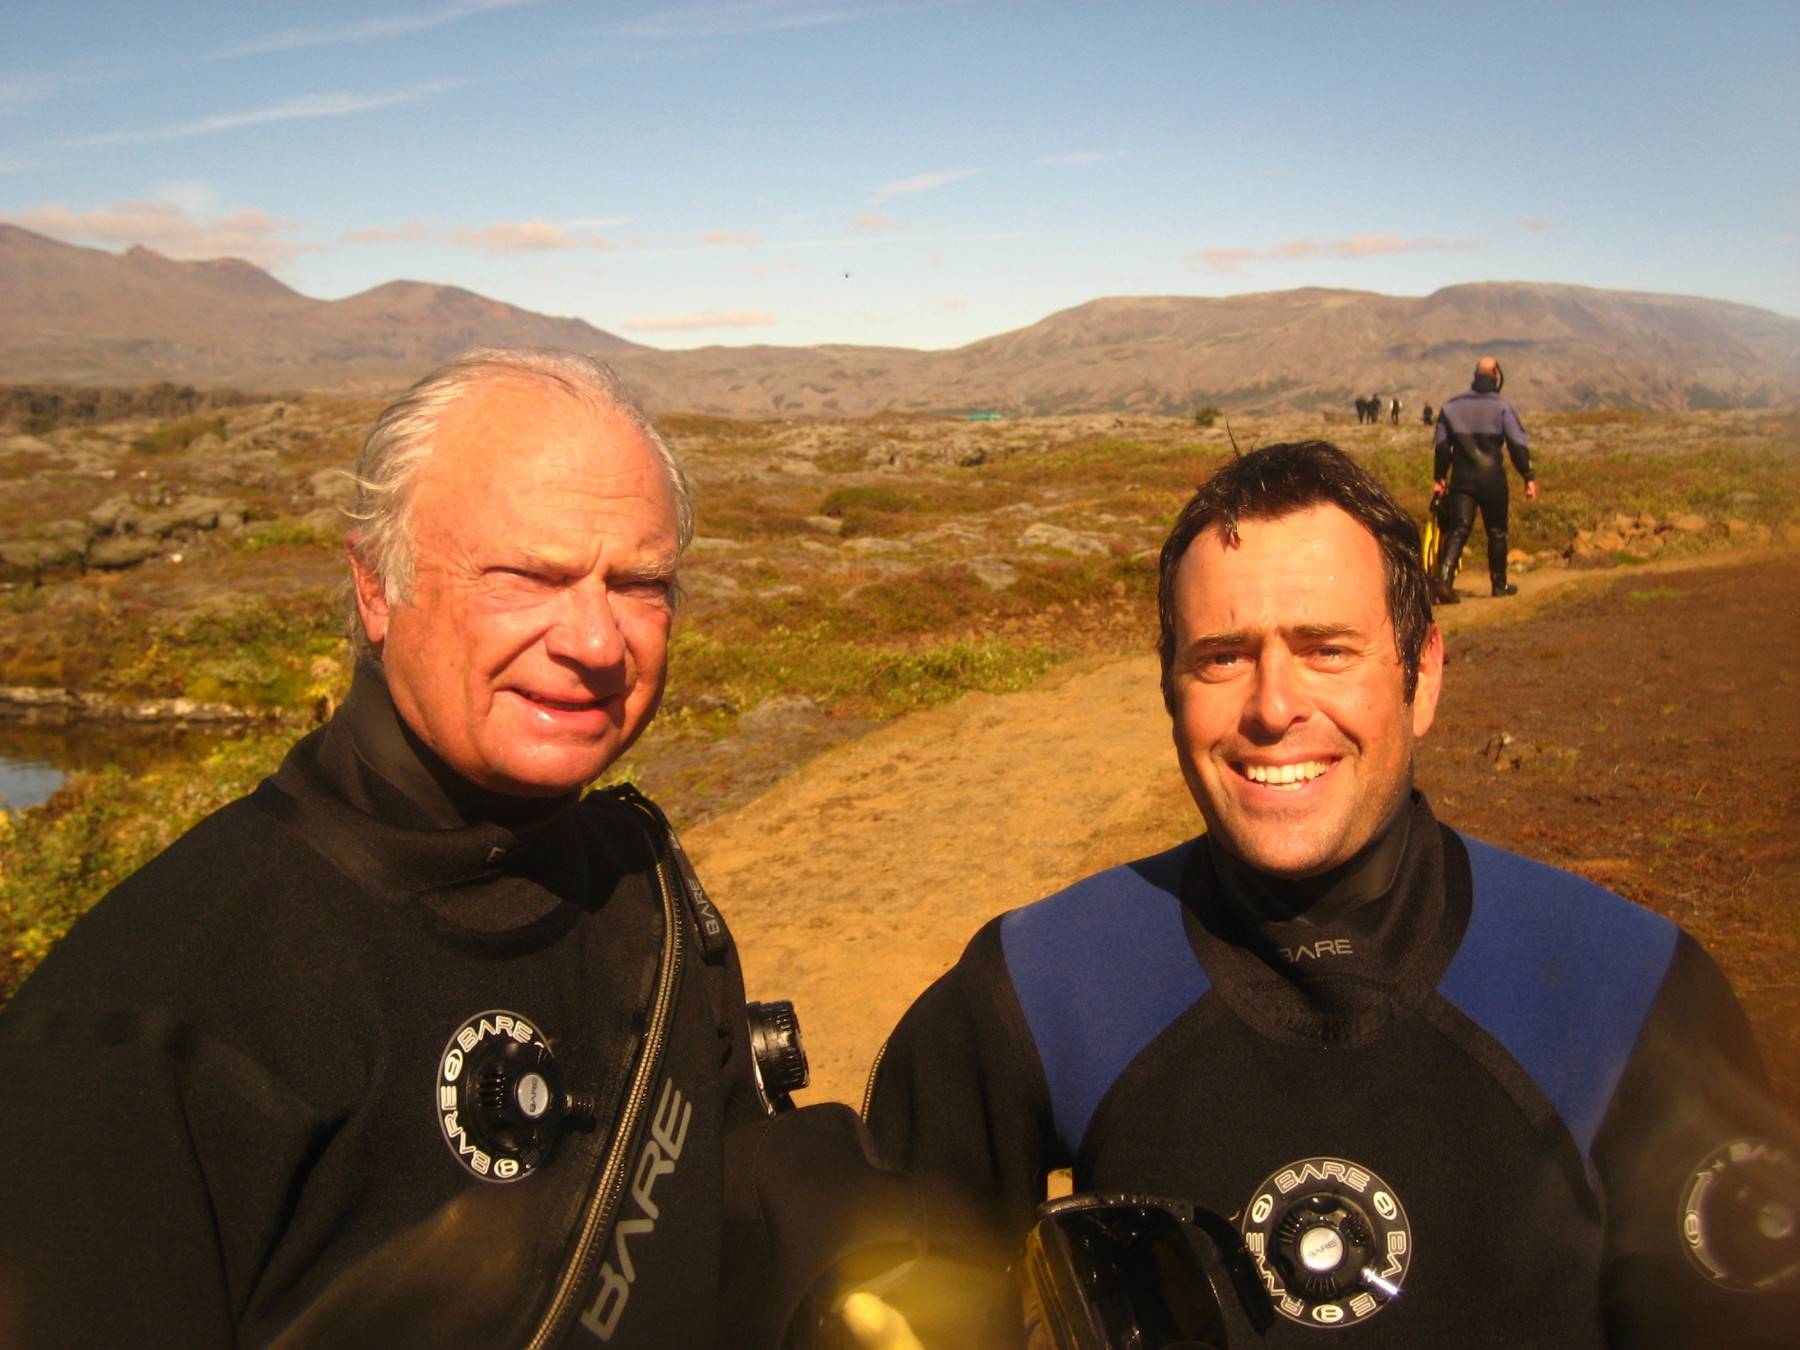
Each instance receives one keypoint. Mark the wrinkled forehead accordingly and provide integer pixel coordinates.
(515, 430)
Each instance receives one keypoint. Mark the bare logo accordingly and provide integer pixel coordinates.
(1318, 950)
(658, 1157)
(450, 1094)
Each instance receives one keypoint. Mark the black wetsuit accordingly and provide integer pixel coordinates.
(231, 1112)
(1513, 1070)
(1475, 431)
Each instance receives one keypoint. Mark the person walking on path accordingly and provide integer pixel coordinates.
(1472, 430)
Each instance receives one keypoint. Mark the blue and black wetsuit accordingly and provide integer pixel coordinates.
(1474, 430)
(1527, 1096)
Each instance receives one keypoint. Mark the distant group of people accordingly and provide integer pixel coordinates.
(1369, 410)
(423, 1043)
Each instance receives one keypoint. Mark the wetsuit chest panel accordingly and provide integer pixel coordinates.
(1562, 973)
(1100, 969)
(1505, 1253)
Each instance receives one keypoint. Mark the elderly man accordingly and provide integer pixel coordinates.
(413, 1045)
(1443, 1092)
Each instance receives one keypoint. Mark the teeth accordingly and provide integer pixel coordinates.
(1285, 775)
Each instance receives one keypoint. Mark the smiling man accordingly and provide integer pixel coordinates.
(416, 1046)
(1439, 1090)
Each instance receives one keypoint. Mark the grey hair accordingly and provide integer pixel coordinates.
(402, 438)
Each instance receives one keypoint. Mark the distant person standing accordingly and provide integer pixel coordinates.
(1472, 429)
(1428, 416)
(1394, 412)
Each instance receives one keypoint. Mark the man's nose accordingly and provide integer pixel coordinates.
(1279, 698)
(586, 631)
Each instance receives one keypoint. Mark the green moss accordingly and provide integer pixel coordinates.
(285, 530)
(176, 436)
(280, 656)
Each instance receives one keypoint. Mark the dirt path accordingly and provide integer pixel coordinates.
(854, 883)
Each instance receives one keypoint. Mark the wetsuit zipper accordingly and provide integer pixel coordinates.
(603, 1206)
(869, 1088)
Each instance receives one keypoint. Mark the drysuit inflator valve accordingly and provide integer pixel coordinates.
(776, 1053)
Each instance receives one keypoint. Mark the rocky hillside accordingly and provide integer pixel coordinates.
(87, 316)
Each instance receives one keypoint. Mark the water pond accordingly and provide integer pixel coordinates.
(37, 758)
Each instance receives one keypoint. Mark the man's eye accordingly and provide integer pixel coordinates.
(654, 590)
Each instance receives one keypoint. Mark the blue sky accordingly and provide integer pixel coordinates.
(913, 173)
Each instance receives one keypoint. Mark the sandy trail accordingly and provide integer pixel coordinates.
(854, 883)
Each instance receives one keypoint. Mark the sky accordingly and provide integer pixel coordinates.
(918, 173)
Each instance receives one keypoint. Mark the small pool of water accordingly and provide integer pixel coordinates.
(35, 760)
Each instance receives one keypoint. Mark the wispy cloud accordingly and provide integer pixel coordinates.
(18, 88)
(731, 18)
(685, 323)
(870, 222)
(304, 107)
(524, 236)
(1232, 260)
(166, 227)
(730, 239)
(598, 222)
(386, 234)
(953, 305)
(1539, 224)
(1079, 157)
(922, 182)
(364, 30)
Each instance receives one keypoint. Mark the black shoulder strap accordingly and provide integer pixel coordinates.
(715, 938)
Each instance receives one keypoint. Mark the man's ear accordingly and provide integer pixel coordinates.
(1431, 682)
(371, 598)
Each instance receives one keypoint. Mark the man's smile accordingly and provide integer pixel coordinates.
(1288, 777)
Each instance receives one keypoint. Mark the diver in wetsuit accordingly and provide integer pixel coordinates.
(1472, 429)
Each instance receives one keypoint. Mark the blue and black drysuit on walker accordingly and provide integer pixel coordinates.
(1472, 430)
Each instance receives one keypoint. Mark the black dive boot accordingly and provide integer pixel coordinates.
(1443, 591)
(1497, 566)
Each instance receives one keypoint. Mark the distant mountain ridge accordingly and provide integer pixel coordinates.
(87, 316)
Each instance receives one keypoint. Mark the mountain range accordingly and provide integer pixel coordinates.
(87, 316)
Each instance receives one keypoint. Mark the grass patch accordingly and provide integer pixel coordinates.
(256, 654)
(174, 437)
(284, 530)
(851, 676)
(55, 862)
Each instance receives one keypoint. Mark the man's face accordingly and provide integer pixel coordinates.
(534, 647)
(1291, 721)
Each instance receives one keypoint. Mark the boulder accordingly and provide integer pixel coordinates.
(123, 550)
(336, 486)
(1045, 535)
(994, 573)
(1737, 529)
(825, 524)
(326, 520)
(1648, 522)
(115, 515)
(189, 513)
(1692, 523)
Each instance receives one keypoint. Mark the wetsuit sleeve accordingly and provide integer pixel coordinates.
(1441, 448)
(147, 1168)
(1693, 1088)
(1518, 445)
(958, 1100)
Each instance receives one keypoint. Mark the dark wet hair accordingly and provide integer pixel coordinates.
(1276, 481)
